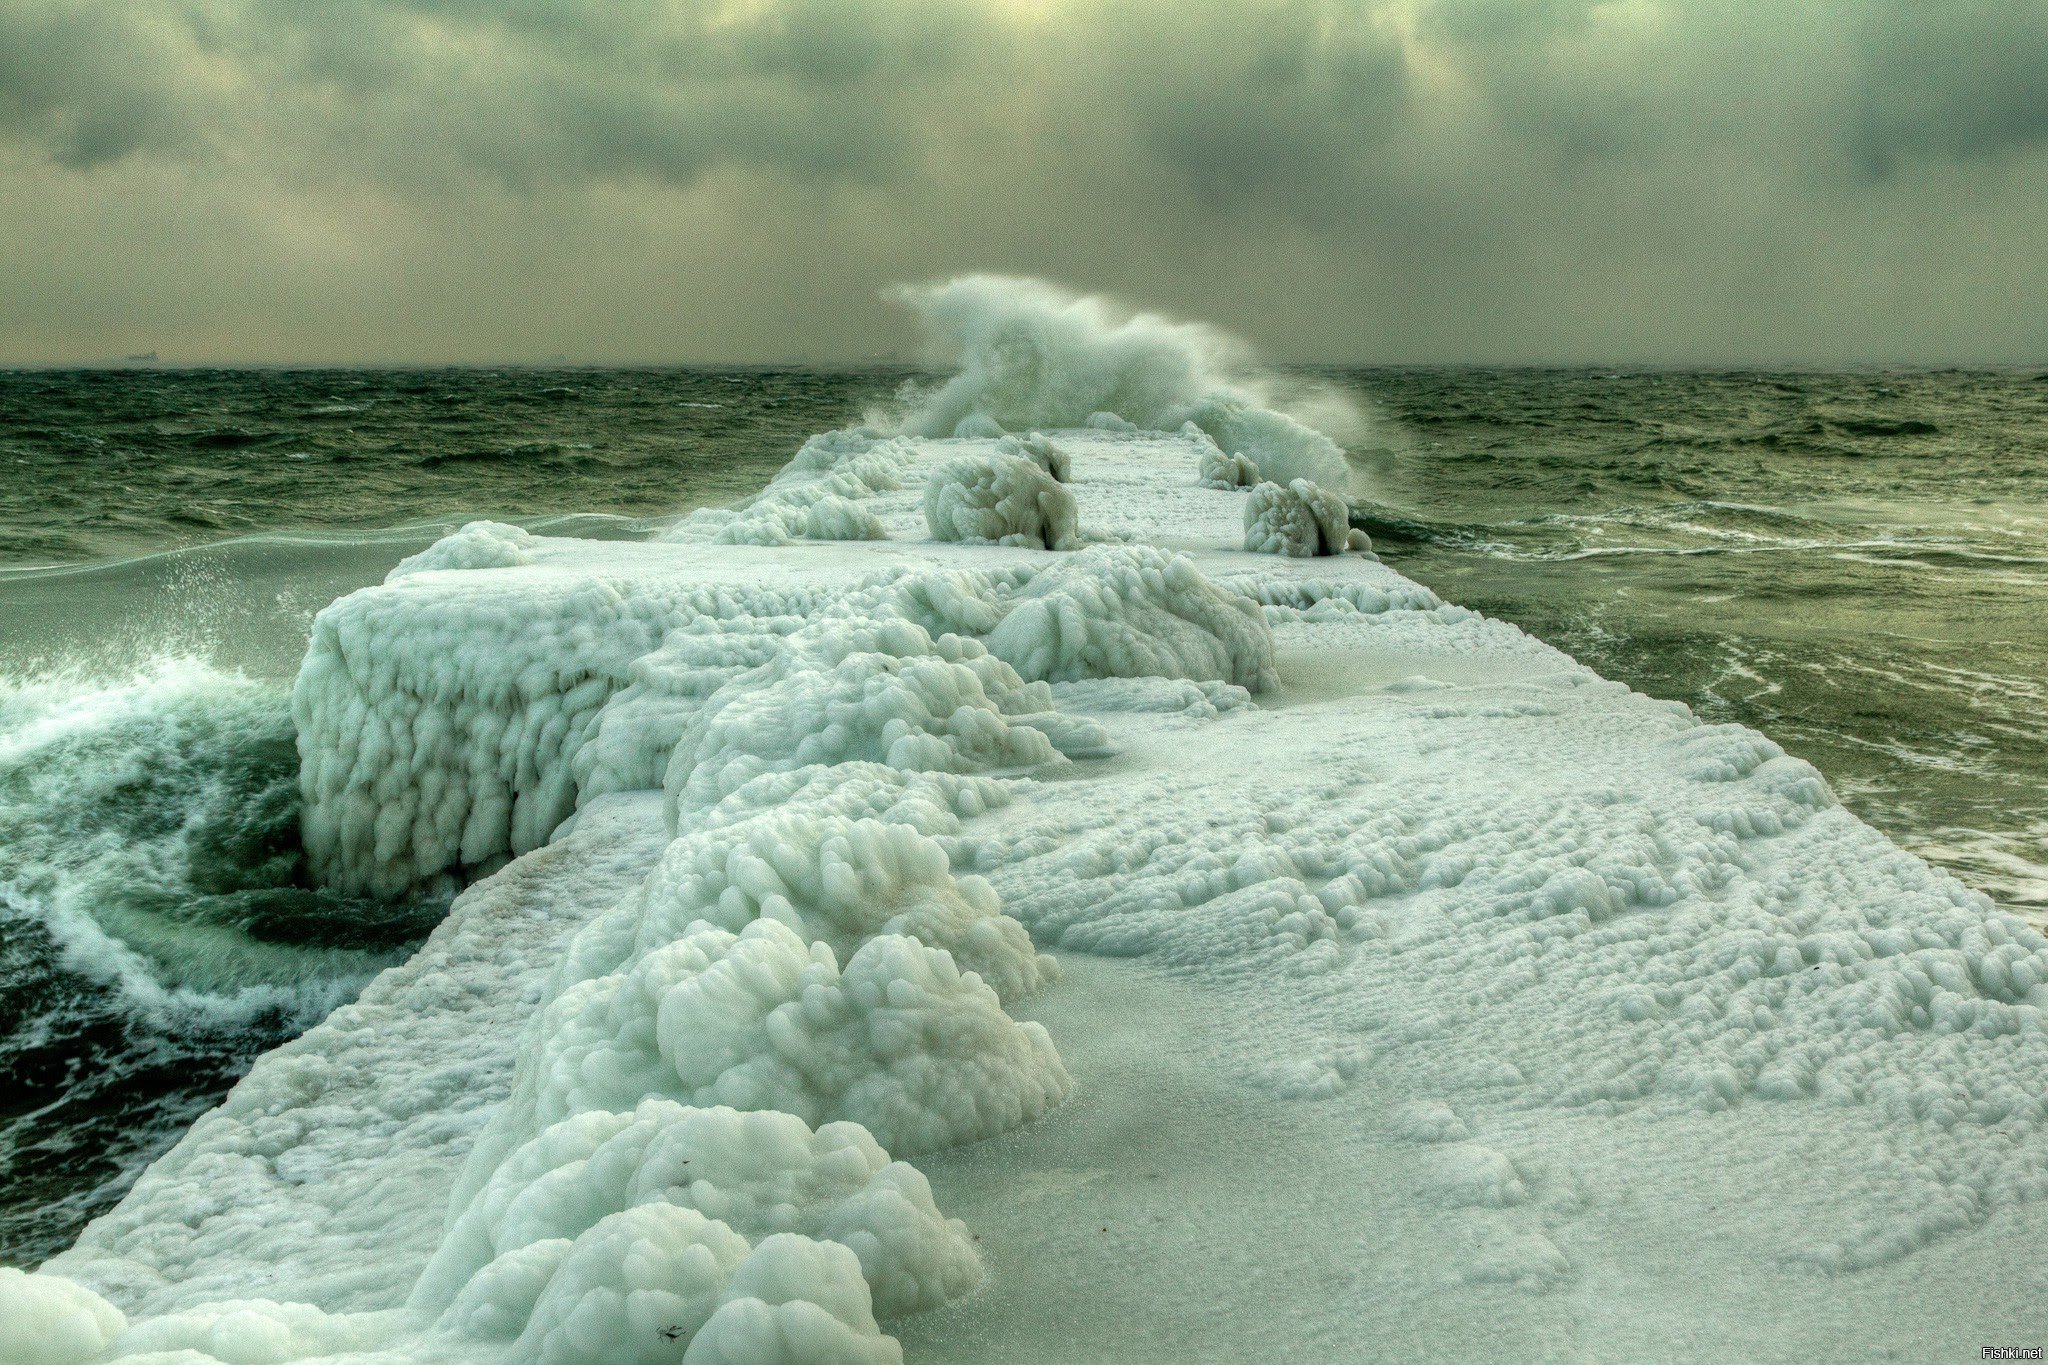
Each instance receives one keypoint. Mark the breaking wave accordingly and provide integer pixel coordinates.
(157, 927)
(1027, 354)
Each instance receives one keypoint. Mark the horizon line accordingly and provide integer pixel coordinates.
(893, 362)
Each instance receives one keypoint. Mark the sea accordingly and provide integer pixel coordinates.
(1854, 562)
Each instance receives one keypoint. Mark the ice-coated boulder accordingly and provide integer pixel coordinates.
(1297, 519)
(1008, 499)
(900, 1041)
(758, 1173)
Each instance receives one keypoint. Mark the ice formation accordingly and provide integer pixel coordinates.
(1133, 614)
(1222, 471)
(1034, 446)
(1010, 499)
(758, 1173)
(476, 738)
(1297, 519)
(820, 495)
(900, 1040)
(1374, 914)
(478, 545)
(48, 1320)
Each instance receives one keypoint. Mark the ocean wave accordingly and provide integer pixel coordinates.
(157, 927)
(230, 438)
(2007, 866)
(551, 452)
(1885, 426)
(1028, 354)
(149, 828)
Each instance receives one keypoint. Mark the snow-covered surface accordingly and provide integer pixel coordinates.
(1426, 995)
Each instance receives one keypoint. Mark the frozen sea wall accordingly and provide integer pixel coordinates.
(1521, 1015)
(454, 717)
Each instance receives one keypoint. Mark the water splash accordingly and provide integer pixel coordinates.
(1029, 354)
(157, 927)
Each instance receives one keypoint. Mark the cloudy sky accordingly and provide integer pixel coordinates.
(1380, 180)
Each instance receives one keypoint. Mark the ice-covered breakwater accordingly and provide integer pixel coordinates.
(1530, 1016)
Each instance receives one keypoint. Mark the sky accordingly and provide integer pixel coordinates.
(1547, 181)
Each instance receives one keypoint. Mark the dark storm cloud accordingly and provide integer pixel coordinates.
(1290, 108)
(1958, 80)
(528, 92)
(1412, 178)
(82, 84)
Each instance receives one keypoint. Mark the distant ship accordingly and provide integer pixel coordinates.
(147, 358)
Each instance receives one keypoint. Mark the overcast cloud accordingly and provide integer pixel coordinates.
(1483, 180)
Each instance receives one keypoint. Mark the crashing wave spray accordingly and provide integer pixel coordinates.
(154, 824)
(157, 927)
(1029, 354)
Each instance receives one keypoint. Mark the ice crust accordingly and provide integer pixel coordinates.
(1523, 1000)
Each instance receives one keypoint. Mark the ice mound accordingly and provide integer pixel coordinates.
(836, 880)
(620, 1290)
(883, 692)
(1218, 470)
(432, 733)
(900, 1041)
(757, 1173)
(1133, 613)
(1295, 599)
(1033, 356)
(438, 728)
(48, 1320)
(827, 517)
(702, 1051)
(1034, 446)
(1001, 498)
(660, 1282)
(634, 733)
(794, 1302)
(1297, 519)
(820, 495)
(478, 545)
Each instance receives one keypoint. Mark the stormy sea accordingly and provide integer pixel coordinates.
(1855, 562)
